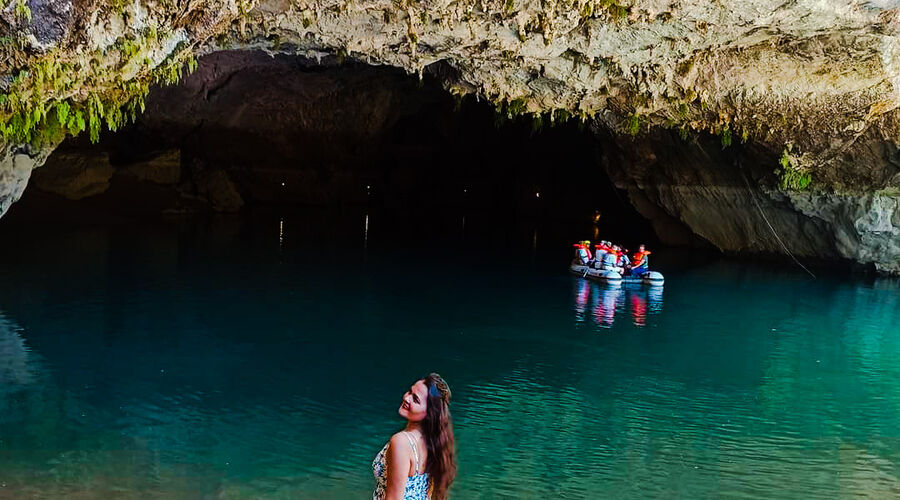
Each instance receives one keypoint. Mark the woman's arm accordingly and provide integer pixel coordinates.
(398, 457)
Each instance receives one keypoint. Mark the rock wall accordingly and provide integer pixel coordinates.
(862, 228)
(16, 165)
(724, 197)
(75, 176)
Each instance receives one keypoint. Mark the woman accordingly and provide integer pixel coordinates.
(419, 462)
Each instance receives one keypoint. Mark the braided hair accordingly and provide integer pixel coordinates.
(437, 429)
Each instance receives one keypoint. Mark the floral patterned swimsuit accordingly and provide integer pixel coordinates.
(416, 486)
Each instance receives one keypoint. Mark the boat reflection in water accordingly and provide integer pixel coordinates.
(600, 303)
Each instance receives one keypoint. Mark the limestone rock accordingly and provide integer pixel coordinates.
(216, 186)
(717, 195)
(15, 169)
(164, 169)
(866, 228)
(75, 176)
(823, 77)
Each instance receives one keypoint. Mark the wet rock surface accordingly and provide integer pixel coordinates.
(75, 176)
(721, 196)
(217, 188)
(164, 169)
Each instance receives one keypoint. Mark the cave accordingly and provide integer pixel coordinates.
(716, 128)
(249, 133)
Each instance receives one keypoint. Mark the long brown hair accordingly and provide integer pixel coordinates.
(437, 429)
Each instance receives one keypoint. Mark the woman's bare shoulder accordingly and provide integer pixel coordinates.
(399, 448)
(398, 439)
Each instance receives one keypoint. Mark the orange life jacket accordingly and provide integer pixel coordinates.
(639, 259)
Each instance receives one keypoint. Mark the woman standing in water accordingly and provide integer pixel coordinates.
(419, 462)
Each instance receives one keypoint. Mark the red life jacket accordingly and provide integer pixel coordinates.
(579, 246)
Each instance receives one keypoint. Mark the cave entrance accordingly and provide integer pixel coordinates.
(249, 132)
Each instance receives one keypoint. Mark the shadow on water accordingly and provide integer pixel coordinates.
(265, 356)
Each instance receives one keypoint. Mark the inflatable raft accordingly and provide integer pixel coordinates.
(612, 277)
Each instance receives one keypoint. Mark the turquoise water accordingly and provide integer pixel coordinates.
(265, 357)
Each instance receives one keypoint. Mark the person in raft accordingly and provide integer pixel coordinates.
(583, 253)
(624, 262)
(600, 250)
(640, 262)
(419, 462)
(610, 260)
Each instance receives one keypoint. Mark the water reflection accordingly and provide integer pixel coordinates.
(605, 306)
(606, 301)
(16, 367)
